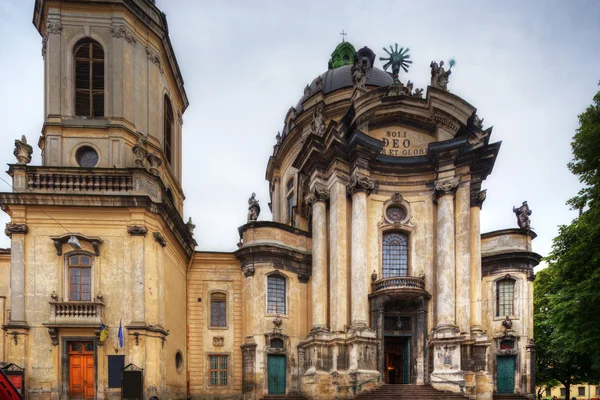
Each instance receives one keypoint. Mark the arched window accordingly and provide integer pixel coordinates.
(276, 294)
(80, 277)
(89, 78)
(168, 128)
(218, 310)
(505, 293)
(290, 199)
(395, 254)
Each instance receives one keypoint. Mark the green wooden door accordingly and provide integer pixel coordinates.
(276, 374)
(505, 375)
(406, 362)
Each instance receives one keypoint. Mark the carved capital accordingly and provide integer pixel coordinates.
(159, 238)
(119, 31)
(360, 183)
(53, 332)
(248, 270)
(446, 186)
(11, 229)
(23, 151)
(477, 198)
(319, 193)
(137, 230)
(154, 58)
(52, 28)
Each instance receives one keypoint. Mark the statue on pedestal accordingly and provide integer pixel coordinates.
(523, 214)
(253, 208)
(439, 76)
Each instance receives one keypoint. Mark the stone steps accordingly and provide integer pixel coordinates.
(509, 397)
(412, 392)
(283, 397)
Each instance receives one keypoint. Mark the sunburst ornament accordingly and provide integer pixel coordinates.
(397, 59)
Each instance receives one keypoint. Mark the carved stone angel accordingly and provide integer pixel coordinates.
(523, 214)
(439, 76)
(253, 208)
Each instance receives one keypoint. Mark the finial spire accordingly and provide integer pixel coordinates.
(343, 34)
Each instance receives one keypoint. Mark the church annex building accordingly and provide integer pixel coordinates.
(373, 274)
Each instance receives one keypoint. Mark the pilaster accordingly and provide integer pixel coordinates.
(138, 233)
(275, 199)
(338, 250)
(477, 198)
(463, 271)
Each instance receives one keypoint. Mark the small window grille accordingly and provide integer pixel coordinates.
(507, 344)
(394, 323)
(277, 343)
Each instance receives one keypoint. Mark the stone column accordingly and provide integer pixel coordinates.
(17, 234)
(338, 283)
(138, 273)
(463, 268)
(317, 199)
(446, 267)
(360, 187)
(275, 203)
(477, 199)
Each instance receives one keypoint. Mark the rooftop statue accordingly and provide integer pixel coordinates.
(253, 208)
(397, 59)
(359, 74)
(317, 126)
(439, 76)
(523, 214)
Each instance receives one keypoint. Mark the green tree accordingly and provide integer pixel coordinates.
(567, 296)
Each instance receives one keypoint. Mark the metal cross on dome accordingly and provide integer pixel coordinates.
(397, 58)
(343, 34)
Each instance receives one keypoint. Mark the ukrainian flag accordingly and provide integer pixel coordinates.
(103, 332)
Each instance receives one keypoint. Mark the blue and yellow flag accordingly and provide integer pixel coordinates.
(121, 333)
(103, 332)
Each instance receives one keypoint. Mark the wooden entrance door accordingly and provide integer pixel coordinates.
(505, 378)
(81, 370)
(276, 366)
(397, 360)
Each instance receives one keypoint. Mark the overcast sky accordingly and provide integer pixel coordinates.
(529, 67)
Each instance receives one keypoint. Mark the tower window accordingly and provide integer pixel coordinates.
(395, 254)
(80, 277)
(86, 157)
(89, 79)
(276, 295)
(505, 291)
(290, 200)
(168, 129)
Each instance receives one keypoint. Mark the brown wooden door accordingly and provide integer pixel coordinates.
(81, 370)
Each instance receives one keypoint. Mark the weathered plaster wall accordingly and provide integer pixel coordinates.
(214, 272)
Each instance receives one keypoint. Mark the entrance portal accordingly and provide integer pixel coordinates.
(397, 356)
(276, 374)
(81, 370)
(506, 374)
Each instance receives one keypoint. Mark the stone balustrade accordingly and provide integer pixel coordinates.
(76, 310)
(101, 181)
(398, 282)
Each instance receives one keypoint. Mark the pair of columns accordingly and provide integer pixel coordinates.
(359, 188)
(458, 254)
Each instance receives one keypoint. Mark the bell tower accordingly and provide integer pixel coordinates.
(111, 82)
(99, 248)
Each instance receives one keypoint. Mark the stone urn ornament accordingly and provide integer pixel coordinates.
(155, 163)
(23, 151)
(140, 153)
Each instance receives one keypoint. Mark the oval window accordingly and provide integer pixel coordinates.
(395, 213)
(86, 157)
(179, 362)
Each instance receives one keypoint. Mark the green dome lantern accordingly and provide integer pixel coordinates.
(342, 55)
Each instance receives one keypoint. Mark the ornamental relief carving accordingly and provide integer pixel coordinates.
(154, 58)
(52, 28)
(11, 229)
(119, 31)
(477, 198)
(396, 212)
(318, 193)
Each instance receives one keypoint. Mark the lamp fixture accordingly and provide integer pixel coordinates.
(74, 242)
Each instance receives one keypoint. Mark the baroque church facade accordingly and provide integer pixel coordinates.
(373, 269)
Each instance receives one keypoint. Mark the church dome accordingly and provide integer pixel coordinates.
(341, 77)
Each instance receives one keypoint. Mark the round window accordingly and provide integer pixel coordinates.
(86, 157)
(395, 213)
(179, 362)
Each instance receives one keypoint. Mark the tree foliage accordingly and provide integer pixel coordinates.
(567, 295)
